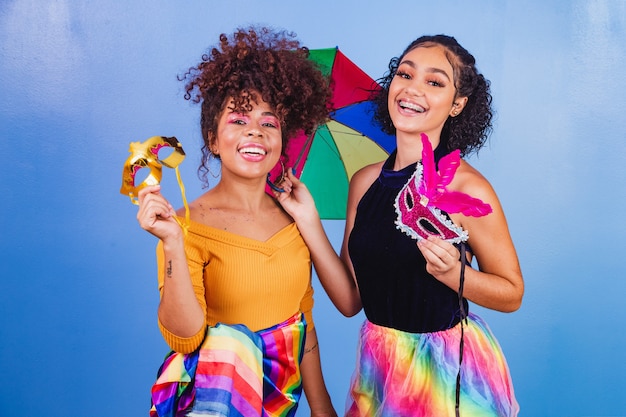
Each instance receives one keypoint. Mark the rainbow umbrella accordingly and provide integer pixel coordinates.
(327, 159)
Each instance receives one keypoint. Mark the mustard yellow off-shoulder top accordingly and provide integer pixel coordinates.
(238, 280)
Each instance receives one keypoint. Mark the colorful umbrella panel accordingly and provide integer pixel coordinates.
(327, 159)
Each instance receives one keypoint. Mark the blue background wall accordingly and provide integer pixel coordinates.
(80, 80)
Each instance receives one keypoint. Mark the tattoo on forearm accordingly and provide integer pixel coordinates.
(311, 349)
(168, 270)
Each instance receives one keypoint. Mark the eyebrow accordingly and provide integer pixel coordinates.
(245, 113)
(432, 70)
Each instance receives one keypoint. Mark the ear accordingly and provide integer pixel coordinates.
(457, 106)
(213, 148)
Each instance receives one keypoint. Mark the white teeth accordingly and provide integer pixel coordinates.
(253, 150)
(412, 106)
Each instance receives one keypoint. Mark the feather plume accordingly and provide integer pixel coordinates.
(434, 184)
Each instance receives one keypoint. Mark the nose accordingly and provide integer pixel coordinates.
(414, 89)
(254, 131)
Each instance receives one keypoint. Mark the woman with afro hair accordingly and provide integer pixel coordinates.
(414, 223)
(236, 298)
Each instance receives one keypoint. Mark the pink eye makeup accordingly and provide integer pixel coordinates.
(270, 121)
(237, 118)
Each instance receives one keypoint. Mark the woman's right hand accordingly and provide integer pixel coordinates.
(156, 214)
(296, 199)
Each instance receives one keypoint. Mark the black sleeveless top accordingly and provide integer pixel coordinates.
(396, 291)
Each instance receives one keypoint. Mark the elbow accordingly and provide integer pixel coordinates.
(515, 295)
(504, 306)
(351, 309)
(512, 307)
(515, 303)
(182, 342)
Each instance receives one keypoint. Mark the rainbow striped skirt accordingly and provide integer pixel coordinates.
(234, 372)
(415, 374)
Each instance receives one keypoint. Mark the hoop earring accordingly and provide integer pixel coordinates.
(273, 185)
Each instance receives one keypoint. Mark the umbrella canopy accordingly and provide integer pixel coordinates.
(326, 160)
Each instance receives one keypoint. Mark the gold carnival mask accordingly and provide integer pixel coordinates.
(146, 155)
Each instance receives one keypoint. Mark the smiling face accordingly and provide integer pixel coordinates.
(422, 94)
(249, 143)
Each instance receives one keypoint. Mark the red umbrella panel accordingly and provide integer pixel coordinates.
(326, 160)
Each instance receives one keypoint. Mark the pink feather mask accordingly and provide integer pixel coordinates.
(421, 202)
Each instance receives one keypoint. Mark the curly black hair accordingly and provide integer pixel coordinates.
(468, 131)
(255, 60)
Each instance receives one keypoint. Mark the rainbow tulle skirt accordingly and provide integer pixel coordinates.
(235, 372)
(415, 374)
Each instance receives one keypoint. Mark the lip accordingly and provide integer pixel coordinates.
(252, 151)
(410, 107)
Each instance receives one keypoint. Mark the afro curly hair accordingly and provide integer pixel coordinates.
(273, 64)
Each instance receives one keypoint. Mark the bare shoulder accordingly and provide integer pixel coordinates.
(364, 177)
(200, 208)
(469, 180)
